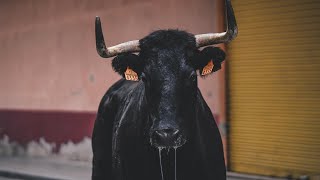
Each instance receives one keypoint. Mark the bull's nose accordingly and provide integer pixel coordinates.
(167, 138)
(166, 134)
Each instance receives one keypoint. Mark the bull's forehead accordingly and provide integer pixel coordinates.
(170, 64)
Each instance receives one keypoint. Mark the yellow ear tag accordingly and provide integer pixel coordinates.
(131, 75)
(208, 68)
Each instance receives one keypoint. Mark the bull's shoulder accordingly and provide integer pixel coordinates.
(120, 92)
(123, 89)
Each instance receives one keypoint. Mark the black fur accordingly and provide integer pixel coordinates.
(166, 97)
(167, 39)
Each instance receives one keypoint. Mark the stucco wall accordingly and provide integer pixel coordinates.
(47, 48)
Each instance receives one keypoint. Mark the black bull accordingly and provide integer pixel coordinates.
(158, 126)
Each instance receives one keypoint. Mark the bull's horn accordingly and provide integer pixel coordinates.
(216, 38)
(103, 51)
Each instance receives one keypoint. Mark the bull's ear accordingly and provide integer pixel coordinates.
(208, 60)
(128, 65)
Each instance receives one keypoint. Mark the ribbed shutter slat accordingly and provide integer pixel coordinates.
(274, 88)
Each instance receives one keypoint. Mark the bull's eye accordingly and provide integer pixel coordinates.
(193, 77)
(143, 77)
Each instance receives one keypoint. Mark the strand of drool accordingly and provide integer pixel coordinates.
(175, 163)
(160, 162)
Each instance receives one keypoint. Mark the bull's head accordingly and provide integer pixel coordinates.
(167, 65)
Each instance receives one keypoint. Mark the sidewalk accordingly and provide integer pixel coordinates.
(54, 168)
(57, 168)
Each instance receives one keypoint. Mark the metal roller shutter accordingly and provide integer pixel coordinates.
(274, 88)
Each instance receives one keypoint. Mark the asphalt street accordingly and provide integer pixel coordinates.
(60, 168)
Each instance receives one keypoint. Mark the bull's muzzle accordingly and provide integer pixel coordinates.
(167, 138)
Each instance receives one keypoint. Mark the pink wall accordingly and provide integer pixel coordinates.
(47, 48)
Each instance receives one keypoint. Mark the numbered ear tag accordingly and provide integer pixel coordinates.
(131, 75)
(208, 68)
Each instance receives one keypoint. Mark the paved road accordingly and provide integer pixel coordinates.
(51, 168)
(3, 178)
(57, 168)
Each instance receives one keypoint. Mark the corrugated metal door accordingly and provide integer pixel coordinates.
(274, 88)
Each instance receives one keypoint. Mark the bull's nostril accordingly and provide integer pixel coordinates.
(167, 133)
(166, 137)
